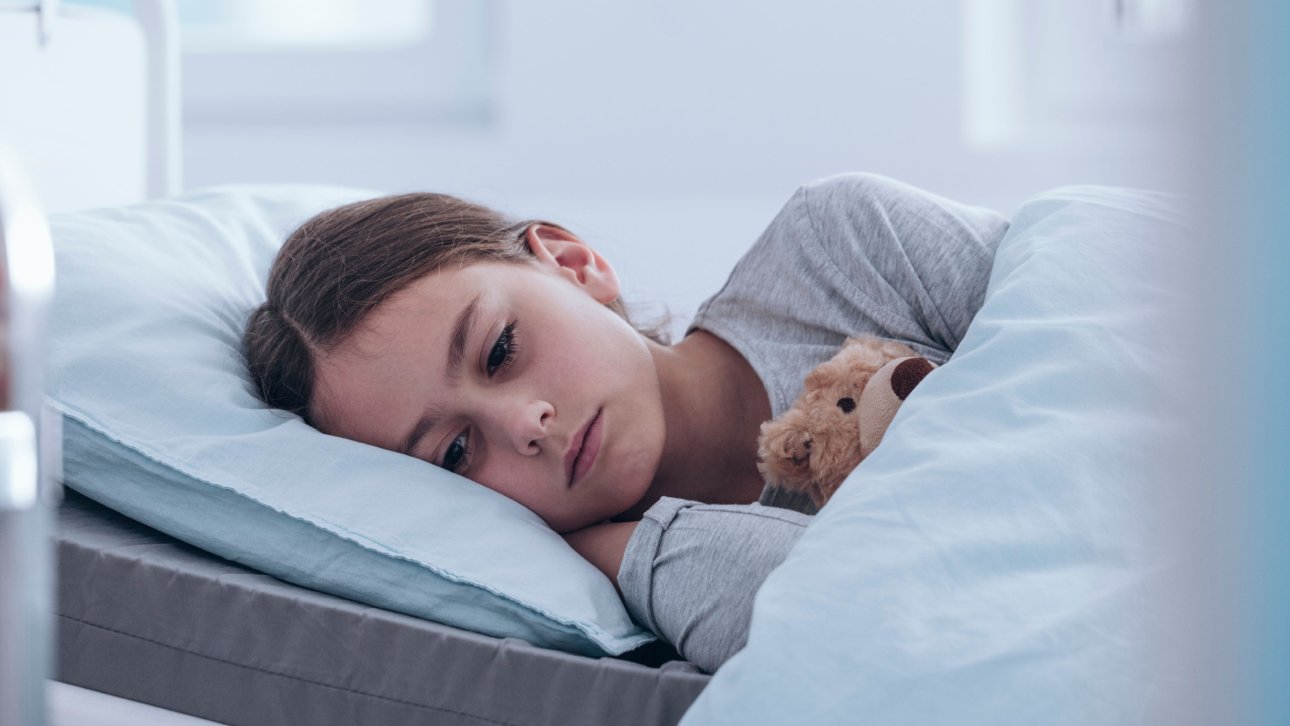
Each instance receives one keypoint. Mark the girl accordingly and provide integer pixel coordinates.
(500, 350)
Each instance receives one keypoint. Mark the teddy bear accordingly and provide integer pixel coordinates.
(839, 418)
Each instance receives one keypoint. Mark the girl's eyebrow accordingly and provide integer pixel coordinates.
(460, 336)
(461, 333)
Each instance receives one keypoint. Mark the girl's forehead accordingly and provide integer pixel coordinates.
(430, 311)
(463, 281)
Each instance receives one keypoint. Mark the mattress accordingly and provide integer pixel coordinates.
(146, 617)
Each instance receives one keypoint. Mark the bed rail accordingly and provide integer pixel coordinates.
(26, 560)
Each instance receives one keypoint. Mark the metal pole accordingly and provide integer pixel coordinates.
(26, 555)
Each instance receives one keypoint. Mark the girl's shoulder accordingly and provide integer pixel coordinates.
(855, 197)
(871, 214)
(827, 221)
(829, 215)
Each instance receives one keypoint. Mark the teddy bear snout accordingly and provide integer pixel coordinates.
(847, 404)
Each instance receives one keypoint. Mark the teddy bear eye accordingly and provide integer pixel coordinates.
(846, 404)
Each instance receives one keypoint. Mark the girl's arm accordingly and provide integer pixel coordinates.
(603, 545)
(690, 572)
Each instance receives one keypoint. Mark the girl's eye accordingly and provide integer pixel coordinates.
(457, 458)
(458, 454)
(504, 350)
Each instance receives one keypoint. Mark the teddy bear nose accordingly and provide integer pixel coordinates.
(847, 405)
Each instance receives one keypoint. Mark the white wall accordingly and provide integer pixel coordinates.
(670, 131)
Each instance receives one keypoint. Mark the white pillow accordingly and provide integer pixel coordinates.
(989, 562)
(161, 424)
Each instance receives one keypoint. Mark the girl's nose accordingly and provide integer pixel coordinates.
(527, 423)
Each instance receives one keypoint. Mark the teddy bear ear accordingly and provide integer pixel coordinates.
(888, 388)
(814, 379)
(908, 374)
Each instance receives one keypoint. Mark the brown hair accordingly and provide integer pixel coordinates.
(339, 265)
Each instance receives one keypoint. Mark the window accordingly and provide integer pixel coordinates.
(340, 61)
(233, 25)
(1059, 72)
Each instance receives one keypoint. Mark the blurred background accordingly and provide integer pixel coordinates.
(668, 133)
(673, 130)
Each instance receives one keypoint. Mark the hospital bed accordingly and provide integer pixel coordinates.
(990, 563)
(151, 619)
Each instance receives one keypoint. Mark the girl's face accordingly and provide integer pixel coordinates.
(513, 375)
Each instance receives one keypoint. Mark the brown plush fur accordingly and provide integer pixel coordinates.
(814, 445)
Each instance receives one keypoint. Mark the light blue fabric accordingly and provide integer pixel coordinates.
(992, 562)
(160, 423)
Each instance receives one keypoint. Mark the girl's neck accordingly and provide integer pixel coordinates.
(713, 407)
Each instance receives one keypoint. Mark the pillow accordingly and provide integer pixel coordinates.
(990, 561)
(160, 423)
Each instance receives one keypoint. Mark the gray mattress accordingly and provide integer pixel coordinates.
(146, 617)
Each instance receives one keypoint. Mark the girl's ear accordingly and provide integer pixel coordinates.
(560, 250)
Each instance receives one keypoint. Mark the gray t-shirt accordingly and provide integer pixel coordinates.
(850, 254)
(854, 254)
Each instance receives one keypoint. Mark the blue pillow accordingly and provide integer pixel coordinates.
(991, 561)
(161, 424)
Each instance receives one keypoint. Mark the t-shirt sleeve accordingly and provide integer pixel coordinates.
(923, 261)
(690, 572)
(854, 254)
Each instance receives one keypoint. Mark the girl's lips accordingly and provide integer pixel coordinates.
(586, 456)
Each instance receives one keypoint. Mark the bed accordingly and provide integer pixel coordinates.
(146, 617)
(992, 562)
